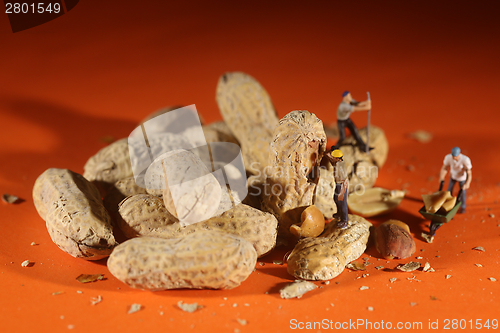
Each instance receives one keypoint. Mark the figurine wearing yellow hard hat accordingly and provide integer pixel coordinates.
(336, 158)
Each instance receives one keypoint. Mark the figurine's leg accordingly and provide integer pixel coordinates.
(451, 185)
(434, 227)
(355, 133)
(341, 127)
(462, 197)
(343, 214)
(338, 187)
(345, 209)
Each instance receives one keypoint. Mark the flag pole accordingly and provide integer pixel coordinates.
(368, 127)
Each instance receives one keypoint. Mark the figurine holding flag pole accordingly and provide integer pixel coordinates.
(346, 107)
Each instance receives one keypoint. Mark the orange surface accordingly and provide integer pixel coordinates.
(99, 69)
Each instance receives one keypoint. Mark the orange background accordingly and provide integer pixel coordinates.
(102, 67)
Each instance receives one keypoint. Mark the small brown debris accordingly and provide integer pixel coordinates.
(355, 266)
(379, 267)
(410, 167)
(434, 298)
(448, 276)
(134, 308)
(25, 263)
(393, 280)
(95, 300)
(409, 267)
(428, 238)
(108, 139)
(85, 278)
(492, 279)
(479, 248)
(9, 198)
(421, 136)
(297, 289)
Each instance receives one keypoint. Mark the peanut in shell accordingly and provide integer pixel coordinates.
(325, 257)
(74, 214)
(205, 259)
(146, 215)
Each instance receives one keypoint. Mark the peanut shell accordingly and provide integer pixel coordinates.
(250, 115)
(325, 257)
(374, 201)
(146, 215)
(206, 259)
(74, 214)
(121, 189)
(109, 165)
(296, 150)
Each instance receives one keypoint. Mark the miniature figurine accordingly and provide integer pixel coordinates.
(341, 186)
(346, 107)
(460, 171)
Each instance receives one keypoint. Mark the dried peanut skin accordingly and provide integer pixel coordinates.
(297, 147)
(74, 214)
(208, 259)
(146, 215)
(325, 257)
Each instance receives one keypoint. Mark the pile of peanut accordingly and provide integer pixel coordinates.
(221, 251)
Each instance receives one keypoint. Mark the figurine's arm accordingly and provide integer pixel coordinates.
(330, 158)
(442, 173)
(362, 106)
(469, 179)
(343, 189)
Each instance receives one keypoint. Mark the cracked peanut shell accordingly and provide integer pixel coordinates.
(295, 152)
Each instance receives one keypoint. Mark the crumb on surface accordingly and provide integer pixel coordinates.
(189, 307)
(134, 308)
